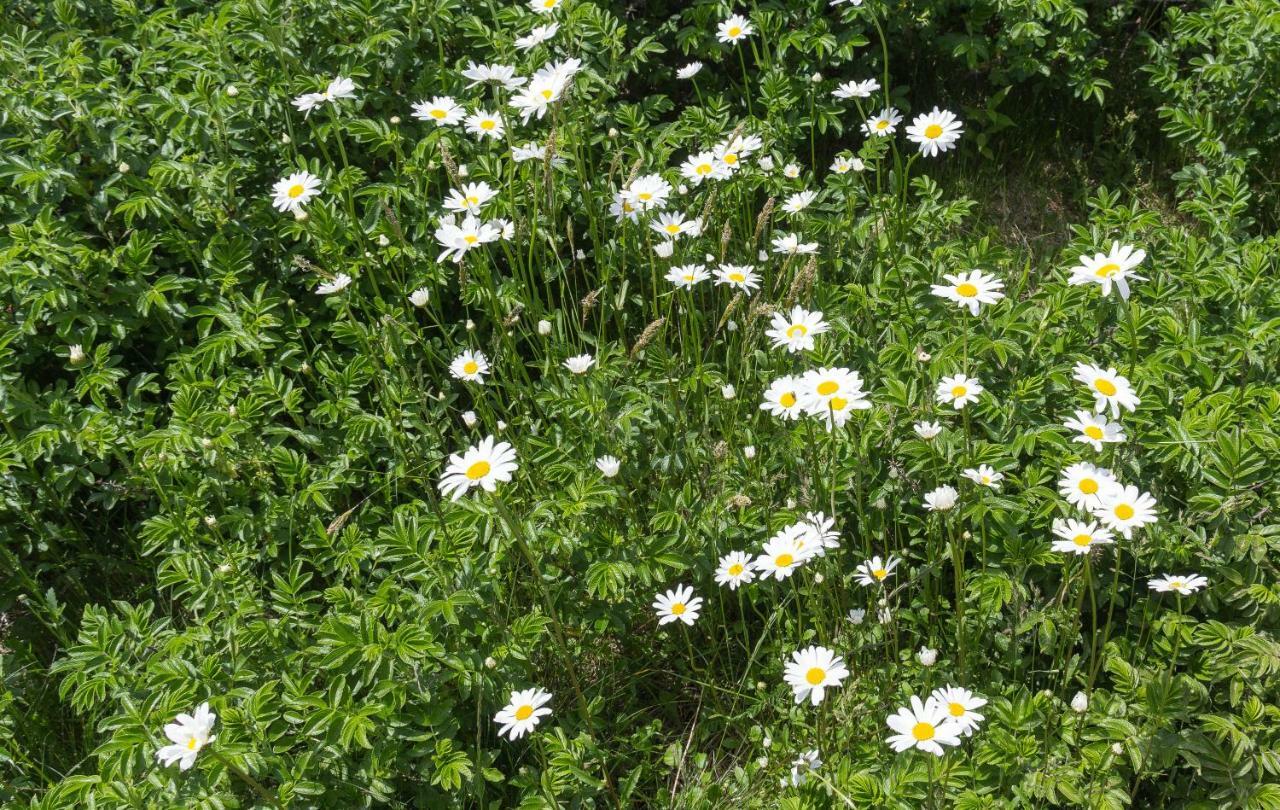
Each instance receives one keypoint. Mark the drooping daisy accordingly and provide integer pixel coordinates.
(337, 284)
(1094, 429)
(832, 394)
(308, 102)
(457, 239)
(689, 71)
(927, 726)
(783, 398)
(1182, 585)
(1125, 508)
(1078, 537)
(648, 191)
(673, 225)
(734, 569)
(875, 571)
(504, 75)
(823, 530)
(984, 476)
(790, 244)
(687, 275)
(295, 191)
(802, 765)
(1113, 268)
(927, 430)
(970, 289)
(799, 201)
(580, 364)
(545, 88)
(883, 123)
(483, 124)
(470, 366)
(959, 390)
(470, 198)
(420, 296)
(961, 705)
(734, 29)
(1084, 485)
(738, 276)
(941, 499)
(443, 110)
(608, 466)
(796, 332)
(935, 131)
(1108, 388)
(782, 555)
(483, 465)
(811, 670)
(677, 605)
(187, 734)
(537, 36)
(862, 89)
(522, 713)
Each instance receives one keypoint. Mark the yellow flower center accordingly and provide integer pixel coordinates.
(471, 367)
(438, 113)
(797, 330)
(986, 479)
(703, 168)
(788, 399)
(738, 277)
(295, 191)
(882, 124)
(1082, 540)
(478, 470)
(827, 388)
(1124, 511)
(958, 391)
(626, 206)
(880, 573)
(192, 744)
(966, 290)
(736, 570)
(815, 675)
(1175, 583)
(471, 239)
(678, 609)
(1106, 387)
(549, 3)
(783, 560)
(487, 124)
(524, 712)
(1093, 431)
(644, 196)
(932, 131)
(688, 277)
(730, 158)
(735, 31)
(473, 200)
(673, 228)
(547, 94)
(956, 709)
(838, 403)
(1106, 270)
(922, 731)
(1088, 486)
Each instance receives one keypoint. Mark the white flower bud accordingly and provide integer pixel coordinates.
(420, 297)
(462, 170)
(210, 521)
(818, 578)
(927, 657)
(75, 353)
(284, 138)
(123, 168)
(749, 451)
(224, 568)
(664, 249)
(682, 189)
(471, 325)
(923, 356)
(469, 418)
(731, 326)
(301, 215)
(233, 411)
(613, 132)
(766, 163)
(383, 240)
(395, 119)
(767, 742)
(490, 663)
(232, 91)
(815, 78)
(1117, 749)
(857, 615)
(763, 255)
(305, 368)
(206, 443)
(791, 503)
(1080, 703)
(580, 255)
(502, 425)
(728, 392)
(544, 327)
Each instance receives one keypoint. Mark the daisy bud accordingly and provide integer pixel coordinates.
(502, 425)
(728, 392)
(760, 686)
(884, 616)
(927, 657)
(544, 327)
(749, 451)
(469, 418)
(613, 132)
(710, 257)
(581, 254)
(880, 504)
(462, 170)
(395, 119)
(490, 663)
(206, 443)
(731, 326)
(233, 411)
(420, 297)
(76, 354)
(664, 249)
(232, 91)
(763, 255)
(815, 78)
(1117, 749)
(791, 503)
(300, 215)
(767, 742)
(762, 762)
(210, 521)
(766, 163)
(289, 302)
(1080, 703)
(857, 615)
(285, 138)
(123, 168)
(471, 325)
(818, 578)
(383, 241)
(305, 368)
(682, 189)
(923, 356)
(968, 536)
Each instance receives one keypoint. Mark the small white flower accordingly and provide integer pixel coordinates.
(187, 735)
(728, 392)
(75, 353)
(749, 451)
(733, 29)
(857, 615)
(537, 36)
(802, 765)
(678, 604)
(420, 297)
(470, 366)
(339, 283)
(544, 327)
(791, 171)
(580, 364)
(1182, 585)
(608, 466)
(811, 670)
(522, 713)
(1080, 703)
(985, 476)
(940, 499)
(734, 569)
(469, 418)
(927, 657)
(927, 430)
(689, 71)
(665, 248)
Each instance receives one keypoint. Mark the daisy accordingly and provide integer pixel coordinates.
(799, 201)
(339, 88)
(339, 283)
(308, 102)
(738, 276)
(796, 333)
(1107, 387)
(689, 71)
(812, 670)
(1182, 585)
(580, 364)
(484, 465)
(420, 297)
(1094, 429)
(782, 555)
(802, 765)
(832, 394)
(970, 289)
(295, 191)
(648, 191)
(791, 171)
(782, 398)
(443, 110)
(1078, 537)
(679, 604)
(734, 29)
(822, 528)
(458, 239)
(522, 713)
(1124, 509)
(935, 131)
(1107, 269)
(960, 705)
(862, 89)
(528, 151)
(843, 164)
(985, 476)
(730, 152)
(673, 225)
(687, 275)
(504, 75)
(470, 198)
(734, 569)
(927, 726)
(941, 499)
(1084, 485)
(537, 36)
(790, 244)
(608, 466)
(703, 166)
(485, 125)
(927, 430)
(958, 391)
(883, 124)
(187, 734)
(875, 571)
(544, 6)
(470, 366)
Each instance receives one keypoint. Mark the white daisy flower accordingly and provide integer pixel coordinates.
(832, 394)
(678, 604)
(802, 765)
(703, 166)
(783, 399)
(811, 671)
(687, 275)
(790, 244)
(823, 530)
(984, 476)
(1078, 537)
(483, 465)
(958, 390)
(1111, 269)
(1182, 585)
(862, 89)
(782, 554)
(420, 297)
(295, 191)
(734, 569)
(799, 201)
(935, 131)
(738, 276)
(580, 364)
(457, 239)
(442, 110)
(544, 6)
(522, 713)
(927, 430)
(504, 75)
(484, 124)
(970, 289)
(470, 198)
(927, 726)
(689, 71)
(791, 171)
(187, 734)
(1125, 508)
(733, 29)
(796, 332)
(337, 284)
(608, 466)
(882, 124)
(1108, 388)
(1094, 429)
(961, 705)
(470, 366)
(875, 571)
(648, 191)
(537, 36)
(1084, 485)
(941, 499)
(673, 225)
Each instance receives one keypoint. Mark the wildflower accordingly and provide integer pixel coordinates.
(799, 201)
(927, 656)
(941, 499)
(1181, 585)
(1125, 508)
(580, 364)
(522, 713)
(673, 225)
(857, 615)
(782, 398)
(796, 333)
(537, 36)
(734, 29)
(75, 353)
(1080, 703)
(339, 88)
(728, 392)
(469, 418)
(1084, 485)
(458, 239)
(443, 110)
(337, 284)
(504, 75)
(782, 554)
(985, 476)
(484, 124)
(802, 765)
(883, 123)
(648, 191)
(812, 670)
(935, 131)
(1078, 537)
(544, 6)
(789, 243)
(970, 289)
(484, 465)
(960, 705)
(844, 164)
(544, 327)
(1108, 388)
(703, 166)
(1094, 429)
(734, 569)
(875, 571)
(927, 726)
(749, 452)
(470, 198)
(689, 71)
(927, 430)
(687, 275)
(665, 249)
(738, 276)
(731, 151)
(1108, 269)
(295, 191)
(791, 171)
(822, 529)
(470, 366)
(832, 394)
(608, 466)
(678, 604)
(862, 89)
(187, 735)
(959, 391)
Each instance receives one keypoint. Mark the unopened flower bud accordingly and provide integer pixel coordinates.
(469, 418)
(301, 215)
(210, 521)
(749, 451)
(1080, 703)
(395, 119)
(123, 168)
(544, 327)
(232, 91)
(490, 663)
